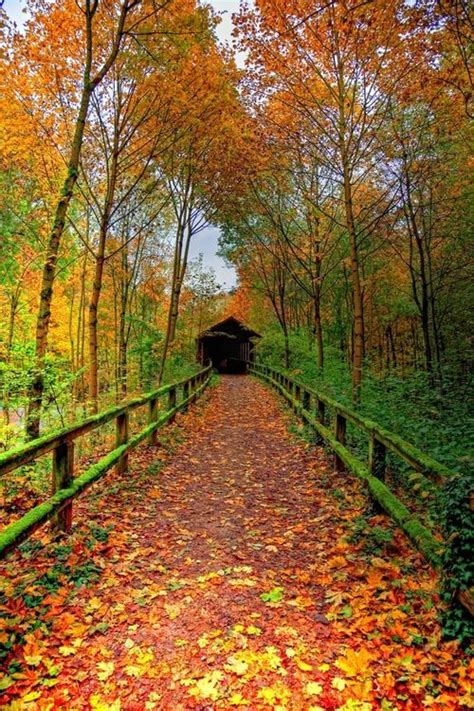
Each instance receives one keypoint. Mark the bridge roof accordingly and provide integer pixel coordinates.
(231, 323)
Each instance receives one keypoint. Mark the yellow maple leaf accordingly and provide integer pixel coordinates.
(106, 669)
(313, 688)
(172, 610)
(304, 666)
(236, 666)
(355, 663)
(338, 683)
(153, 699)
(99, 704)
(276, 694)
(31, 696)
(66, 651)
(133, 670)
(208, 686)
(271, 658)
(243, 582)
(238, 700)
(33, 660)
(144, 657)
(251, 629)
(93, 605)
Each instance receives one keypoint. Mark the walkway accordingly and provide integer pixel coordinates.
(221, 576)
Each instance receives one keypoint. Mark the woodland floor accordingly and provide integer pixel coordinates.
(218, 574)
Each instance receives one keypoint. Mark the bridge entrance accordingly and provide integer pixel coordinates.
(229, 344)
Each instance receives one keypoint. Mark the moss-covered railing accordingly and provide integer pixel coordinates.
(316, 409)
(65, 486)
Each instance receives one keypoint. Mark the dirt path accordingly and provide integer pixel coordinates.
(225, 578)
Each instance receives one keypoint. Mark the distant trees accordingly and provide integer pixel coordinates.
(337, 164)
(94, 70)
(120, 114)
(364, 173)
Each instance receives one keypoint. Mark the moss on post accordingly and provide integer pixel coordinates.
(17, 532)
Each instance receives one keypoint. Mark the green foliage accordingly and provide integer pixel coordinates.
(16, 375)
(436, 419)
(458, 560)
(144, 349)
(84, 574)
(374, 539)
(274, 595)
(178, 366)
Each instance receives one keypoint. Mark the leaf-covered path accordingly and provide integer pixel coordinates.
(237, 571)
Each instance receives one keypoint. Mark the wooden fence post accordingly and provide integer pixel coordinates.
(186, 392)
(63, 473)
(306, 401)
(321, 412)
(377, 457)
(340, 434)
(171, 401)
(122, 438)
(320, 416)
(296, 397)
(152, 417)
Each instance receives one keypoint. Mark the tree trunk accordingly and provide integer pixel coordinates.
(318, 328)
(54, 242)
(122, 355)
(174, 301)
(80, 336)
(358, 328)
(49, 269)
(99, 272)
(93, 308)
(357, 304)
(183, 240)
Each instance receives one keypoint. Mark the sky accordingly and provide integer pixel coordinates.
(206, 242)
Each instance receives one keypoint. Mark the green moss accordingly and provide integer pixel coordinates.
(406, 451)
(25, 453)
(18, 531)
(420, 536)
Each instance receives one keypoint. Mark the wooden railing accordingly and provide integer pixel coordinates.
(66, 487)
(321, 411)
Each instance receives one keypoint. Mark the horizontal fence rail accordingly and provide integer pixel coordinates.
(66, 487)
(313, 408)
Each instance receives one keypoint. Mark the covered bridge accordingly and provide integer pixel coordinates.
(228, 344)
